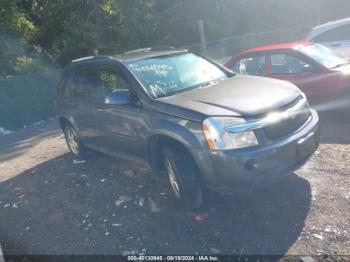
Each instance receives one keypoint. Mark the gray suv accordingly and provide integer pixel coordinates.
(188, 118)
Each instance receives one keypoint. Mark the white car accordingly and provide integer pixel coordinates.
(335, 35)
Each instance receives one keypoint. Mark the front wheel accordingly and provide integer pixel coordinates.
(183, 176)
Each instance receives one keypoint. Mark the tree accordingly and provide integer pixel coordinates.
(67, 29)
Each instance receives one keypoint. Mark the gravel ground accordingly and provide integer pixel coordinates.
(52, 204)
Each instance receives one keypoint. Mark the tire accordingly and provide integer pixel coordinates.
(74, 144)
(184, 176)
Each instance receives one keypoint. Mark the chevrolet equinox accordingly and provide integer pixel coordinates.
(188, 118)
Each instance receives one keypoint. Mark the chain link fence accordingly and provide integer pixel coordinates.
(27, 99)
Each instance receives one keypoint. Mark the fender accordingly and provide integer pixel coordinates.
(186, 132)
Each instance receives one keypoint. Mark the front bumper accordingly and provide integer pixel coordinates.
(238, 171)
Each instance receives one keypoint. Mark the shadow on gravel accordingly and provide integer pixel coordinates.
(16, 143)
(334, 128)
(64, 208)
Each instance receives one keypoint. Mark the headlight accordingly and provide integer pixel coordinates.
(219, 138)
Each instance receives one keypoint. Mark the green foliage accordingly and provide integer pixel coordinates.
(68, 29)
(38, 35)
(25, 65)
(15, 21)
(71, 28)
(77, 41)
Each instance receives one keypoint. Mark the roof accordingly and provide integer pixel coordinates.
(317, 30)
(291, 45)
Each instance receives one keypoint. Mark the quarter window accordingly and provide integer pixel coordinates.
(250, 66)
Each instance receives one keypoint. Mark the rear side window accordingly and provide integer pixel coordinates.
(84, 76)
(65, 84)
(337, 34)
(62, 84)
(82, 80)
(250, 66)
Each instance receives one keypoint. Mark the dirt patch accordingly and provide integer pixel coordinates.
(51, 204)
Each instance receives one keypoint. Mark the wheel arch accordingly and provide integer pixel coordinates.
(63, 121)
(156, 143)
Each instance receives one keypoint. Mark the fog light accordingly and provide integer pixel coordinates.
(251, 165)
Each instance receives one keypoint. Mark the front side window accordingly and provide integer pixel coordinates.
(166, 75)
(111, 81)
(250, 66)
(284, 63)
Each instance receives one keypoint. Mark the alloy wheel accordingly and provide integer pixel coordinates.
(72, 140)
(172, 178)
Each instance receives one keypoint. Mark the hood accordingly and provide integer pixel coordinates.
(243, 96)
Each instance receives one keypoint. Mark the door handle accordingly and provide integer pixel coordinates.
(99, 110)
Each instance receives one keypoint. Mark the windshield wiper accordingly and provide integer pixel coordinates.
(212, 82)
(209, 83)
(342, 64)
(339, 65)
(205, 84)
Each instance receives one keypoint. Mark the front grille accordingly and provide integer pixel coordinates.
(296, 119)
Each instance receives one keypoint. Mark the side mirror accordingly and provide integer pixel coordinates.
(119, 97)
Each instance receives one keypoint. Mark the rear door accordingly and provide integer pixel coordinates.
(81, 100)
(251, 65)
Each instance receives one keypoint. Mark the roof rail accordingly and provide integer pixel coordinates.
(147, 49)
(91, 57)
(82, 59)
(163, 48)
(138, 50)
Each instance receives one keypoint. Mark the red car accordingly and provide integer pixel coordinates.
(321, 73)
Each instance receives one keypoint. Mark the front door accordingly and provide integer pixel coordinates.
(306, 76)
(122, 129)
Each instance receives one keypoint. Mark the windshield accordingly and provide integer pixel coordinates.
(167, 75)
(324, 55)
